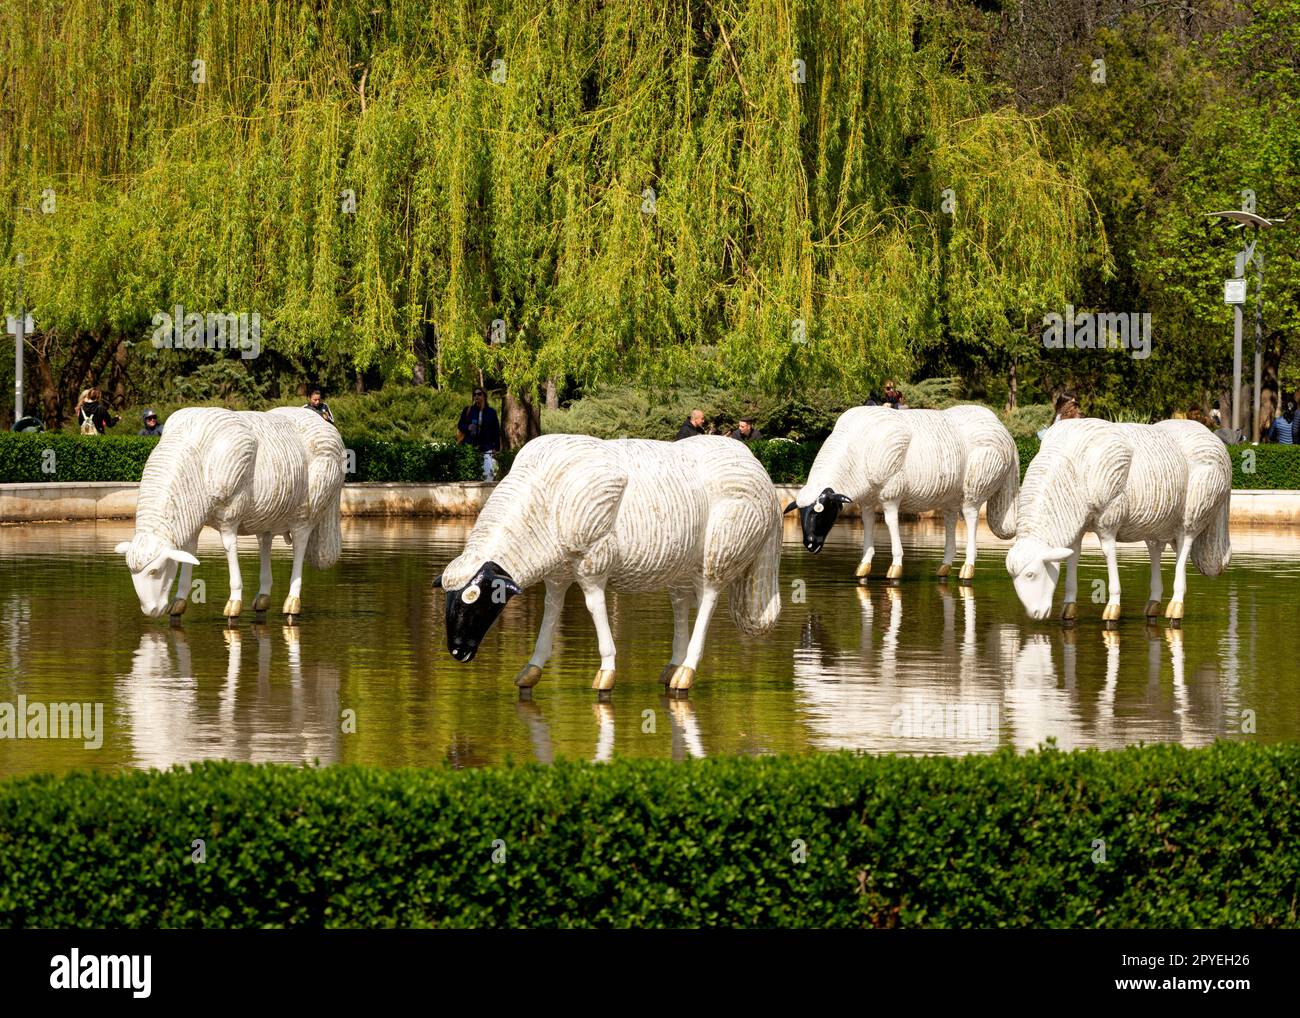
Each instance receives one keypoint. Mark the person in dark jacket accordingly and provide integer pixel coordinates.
(479, 426)
(893, 396)
(317, 404)
(93, 416)
(151, 429)
(694, 426)
(746, 432)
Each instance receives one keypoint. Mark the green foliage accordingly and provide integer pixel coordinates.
(413, 462)
(401, 412)
(785, 462)
(122, 458)
(646, 412)
(1273, 466)
(75, 457)
(1193, 838)
(796, 234)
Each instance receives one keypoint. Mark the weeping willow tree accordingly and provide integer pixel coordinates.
(747, 192)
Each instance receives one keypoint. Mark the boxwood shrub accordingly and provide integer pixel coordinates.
(1270, 467)
(122, 458)
(1157, 836)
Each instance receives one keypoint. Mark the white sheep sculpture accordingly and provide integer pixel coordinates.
(695, 517)
(952, 460)
(239, 472)
(1166, 483)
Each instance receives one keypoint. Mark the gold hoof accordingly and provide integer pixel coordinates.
(604, 680)
(967, 571)
(233, 609)
(262, 602)
(1111, 613)
(178, 607)
(895, 571)
(864, 569)
(1069, 612)
(683, 678)
(665, 676)
(1153, 609)
(292, 606)
(945, 569)
(1174, 611)
(529, 676)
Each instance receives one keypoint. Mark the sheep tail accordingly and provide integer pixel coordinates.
(755, 597)
(326, 541)
(1212, 547)
(1001, 512)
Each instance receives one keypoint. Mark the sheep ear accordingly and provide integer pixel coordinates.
(437, 581)
(841, 499)
(1057, 554)
(791, 507)
(176, 555)
(122, 547)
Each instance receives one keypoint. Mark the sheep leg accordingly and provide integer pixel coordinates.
(182, 600)
(949, 541)
(684, 675)
(594, 595)
(868, 540)
(1155, 549)
(1174, 611)
(895, 541)
(229, 541)
(971, 513)
(263, 600)
(1069, 606)
(531, 673)
(683, 601)
(1111, 614)
(293, 603)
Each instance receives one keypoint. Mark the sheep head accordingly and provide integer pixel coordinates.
(153, 569)
(818, 517)
(472, 608)
(1035, 566)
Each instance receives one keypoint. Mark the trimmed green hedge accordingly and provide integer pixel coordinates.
(1268, 467)
(24, 458)
(785, 462)
(122, 458)
(1191, 838)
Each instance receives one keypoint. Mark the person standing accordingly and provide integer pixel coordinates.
(480, 429)
(694, 426)
(151, 429)
(316, 403)
(893, 396)
(93, 417)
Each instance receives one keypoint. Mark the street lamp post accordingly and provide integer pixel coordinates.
(1237, 297)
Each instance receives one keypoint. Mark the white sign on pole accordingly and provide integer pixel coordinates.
(1234, 291)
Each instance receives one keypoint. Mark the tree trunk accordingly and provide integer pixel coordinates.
(360, 385)
(1011, 388)
(552, 395)
(117, 376)
(521, 417)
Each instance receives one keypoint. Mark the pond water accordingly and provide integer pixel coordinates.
(920, 667)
